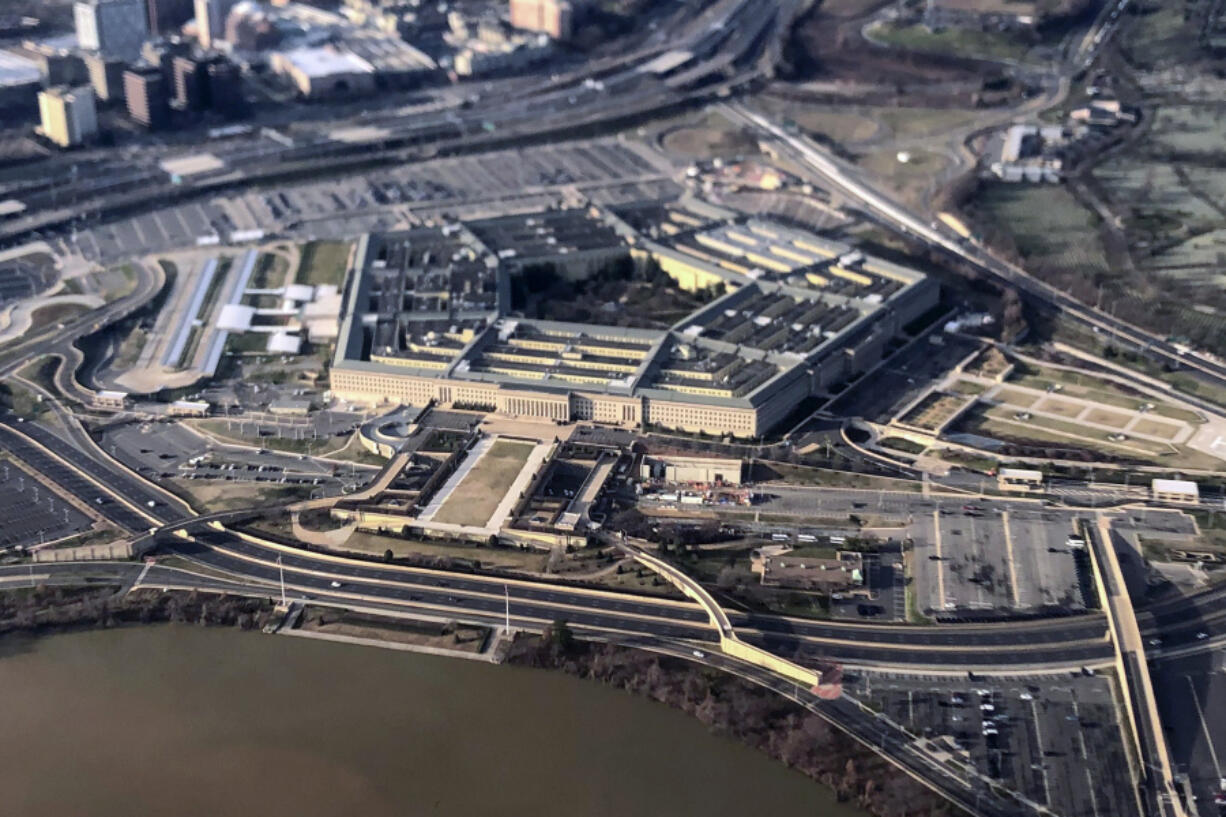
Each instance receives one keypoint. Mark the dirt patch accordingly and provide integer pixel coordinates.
(1153, 428)
(713, 137)
(1107, 418)
(1063, 408)
(477, 496)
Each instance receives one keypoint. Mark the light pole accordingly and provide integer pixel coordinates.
(281, 569)
(506, 594)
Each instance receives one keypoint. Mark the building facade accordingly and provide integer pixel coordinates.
(166, 16)
(211, 20)
(116, 28)
(105, 76)
(68, 115)
(552, 17)
(145, 91)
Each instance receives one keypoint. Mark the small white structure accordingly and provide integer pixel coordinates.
(1019, 479)
(1175, 491)
(110, 399)
(283, 343)
(189, 408)
(236, 317)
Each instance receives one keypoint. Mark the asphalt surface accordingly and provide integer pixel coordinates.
(1068, 642)
(118, 480)
(71, 480)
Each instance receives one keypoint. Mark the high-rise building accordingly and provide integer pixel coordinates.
(145, 89)
(115, 28)
(211, 20)
(226, 89)
(191, 84)
(208, 82)
(162, 53)
(68, 115)
(169, 15)
(105, 76)
(553, 17)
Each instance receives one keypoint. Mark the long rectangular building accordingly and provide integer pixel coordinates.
(426, 318)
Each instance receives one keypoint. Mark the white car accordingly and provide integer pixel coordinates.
(336, 584)
(699, 654)
(1202, 635)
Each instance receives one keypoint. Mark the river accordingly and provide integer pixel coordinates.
(192, 721)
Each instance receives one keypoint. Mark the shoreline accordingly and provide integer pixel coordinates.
(727, 705)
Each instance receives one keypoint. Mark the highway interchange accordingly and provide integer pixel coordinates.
(733, 54)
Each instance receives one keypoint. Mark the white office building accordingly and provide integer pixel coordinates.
(114, 28)
(68, 115)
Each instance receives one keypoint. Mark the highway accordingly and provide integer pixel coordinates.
(1065, 642)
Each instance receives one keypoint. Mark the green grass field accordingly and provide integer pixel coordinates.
(323, 262)
(477, 496)
(996, 45)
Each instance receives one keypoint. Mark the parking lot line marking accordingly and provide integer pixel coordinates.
(1038, 733)
(1204, 726)
(1004, 521)
(936, 541)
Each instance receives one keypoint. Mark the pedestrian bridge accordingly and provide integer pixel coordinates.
(728, 640)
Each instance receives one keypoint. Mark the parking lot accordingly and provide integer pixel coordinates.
(605, 171)
(1192, 693)
(171, 451)
(1055, 739)
(70, 481)
(31, 513)
(981, 558)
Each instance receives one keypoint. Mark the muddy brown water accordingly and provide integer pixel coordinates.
(186, 721)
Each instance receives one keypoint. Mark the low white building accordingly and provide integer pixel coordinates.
(1175, 491)
(325, 71)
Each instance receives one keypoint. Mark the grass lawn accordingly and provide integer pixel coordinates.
(270, 272)
(477, 496)
(960, 42)
(1154, 428)
(530, 561)
(967, 387)
(1109, 418)
(55, 313)
(227, 496)
(802, 475)
(903, 444)
(999, 423)
(1054, 234)
(911, 179)
(1094, 388)
(712, 136)
(323, 262)
(322, 447)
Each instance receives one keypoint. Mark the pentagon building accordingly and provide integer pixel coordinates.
(426, 317)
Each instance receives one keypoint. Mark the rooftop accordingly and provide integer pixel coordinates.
(326, 61)
(16, 70)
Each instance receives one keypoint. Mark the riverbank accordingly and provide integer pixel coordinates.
(755, 716)
(728, 706)
(42, 610)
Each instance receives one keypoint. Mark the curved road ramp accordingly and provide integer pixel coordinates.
(728, 641)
